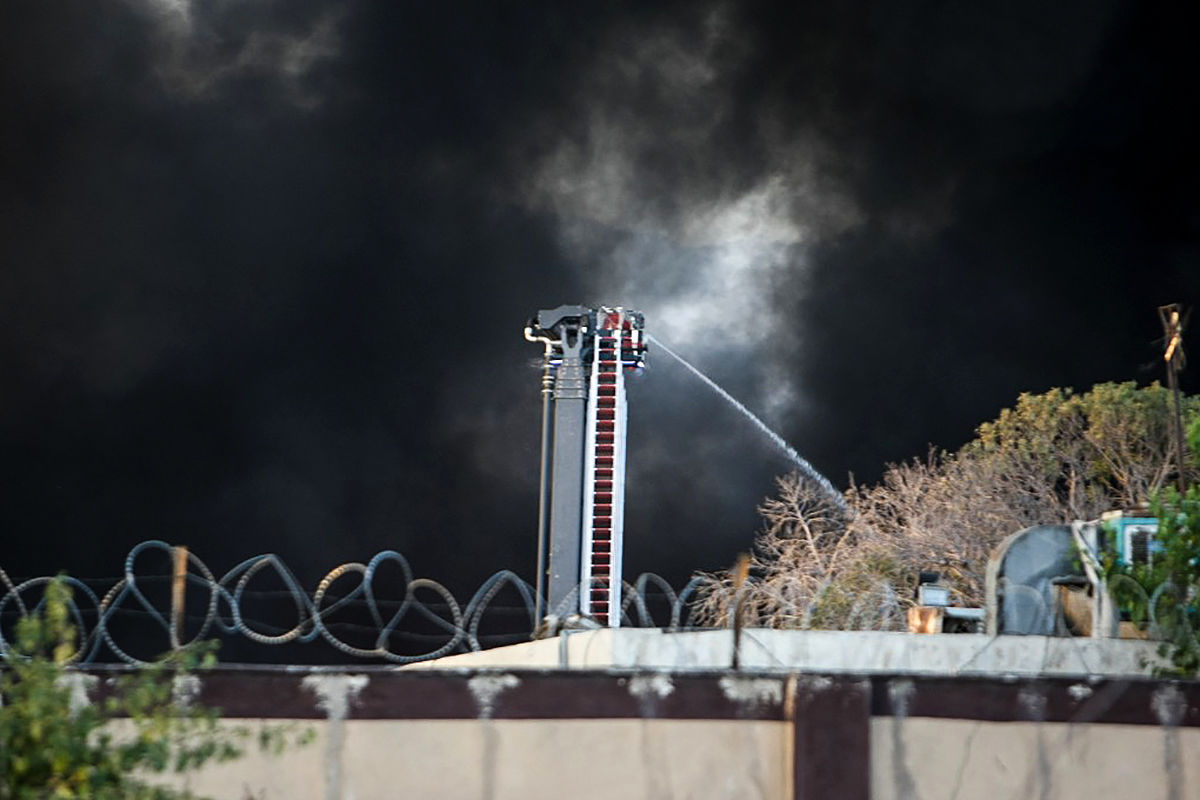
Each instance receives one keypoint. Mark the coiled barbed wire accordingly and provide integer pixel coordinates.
(455, 627)
(226, 596)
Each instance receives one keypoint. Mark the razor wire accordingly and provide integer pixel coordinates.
(416, 609)
(456, 626)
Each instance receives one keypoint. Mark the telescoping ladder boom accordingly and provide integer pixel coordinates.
(617, 348)
(586, 492)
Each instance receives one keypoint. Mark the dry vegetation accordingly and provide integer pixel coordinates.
(1052, 458)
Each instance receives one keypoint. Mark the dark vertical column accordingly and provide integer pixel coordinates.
(566, 502)
(832, 757)
(544, 488)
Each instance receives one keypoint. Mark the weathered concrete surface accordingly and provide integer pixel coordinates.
(820, 651)
(495, 733)
(947, 759)
(298, 772)
(582, 759)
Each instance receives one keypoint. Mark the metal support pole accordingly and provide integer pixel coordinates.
(1172, 323)
(1180, 447)
(178, 589)
(543, 486)
(741, 571)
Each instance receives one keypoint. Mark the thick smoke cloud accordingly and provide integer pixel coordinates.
(266, 264)
(200, 49)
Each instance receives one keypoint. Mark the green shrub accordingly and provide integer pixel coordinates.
(53, 746)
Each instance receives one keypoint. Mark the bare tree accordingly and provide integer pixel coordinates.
(813, 567)
(1052, 458)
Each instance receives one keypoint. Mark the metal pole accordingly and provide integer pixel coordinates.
(741, 571)
(1172, 324)
(178, 586)
(1180, 452)
(543, 488)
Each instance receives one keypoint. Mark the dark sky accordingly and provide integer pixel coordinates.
(264, 265)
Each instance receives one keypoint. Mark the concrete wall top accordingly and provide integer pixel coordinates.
(873, 652)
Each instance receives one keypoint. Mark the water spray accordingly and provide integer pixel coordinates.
(806, 469)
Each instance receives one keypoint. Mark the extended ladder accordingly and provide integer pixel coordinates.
(617, 347)
(581, 506)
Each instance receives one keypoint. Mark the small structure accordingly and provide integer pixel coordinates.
(1049, 580)
(934, 614)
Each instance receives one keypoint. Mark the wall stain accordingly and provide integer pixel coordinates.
(1169, 706)
(485, 689)
(900, 692)
(334, 694)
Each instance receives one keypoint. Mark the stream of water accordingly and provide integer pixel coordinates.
(806, 469)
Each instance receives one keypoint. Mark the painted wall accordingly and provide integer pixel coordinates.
(952, 759)
(522, 759)
(384, 733)
(930, 759)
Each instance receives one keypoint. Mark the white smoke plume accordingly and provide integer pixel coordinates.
(670, 212)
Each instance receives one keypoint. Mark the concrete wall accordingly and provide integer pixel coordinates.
(926, 758)
(385, 733)
(941, 759)
(522, 759)
(875, 652)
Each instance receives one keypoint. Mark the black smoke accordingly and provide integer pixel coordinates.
(265, 266)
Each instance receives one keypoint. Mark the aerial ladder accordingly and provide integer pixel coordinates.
(588, 353)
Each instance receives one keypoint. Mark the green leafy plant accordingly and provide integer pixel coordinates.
(1166, 589)
(1177, 609)
(54, 744)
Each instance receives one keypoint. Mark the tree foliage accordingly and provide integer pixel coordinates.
(1051, 458)
(55, 745)
(1164, 593)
